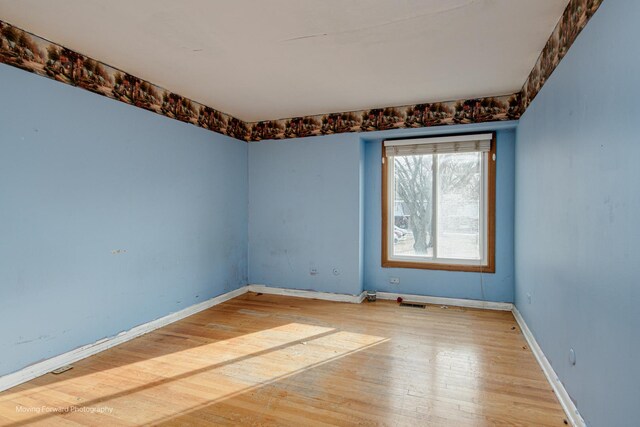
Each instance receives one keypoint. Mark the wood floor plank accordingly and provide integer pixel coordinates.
(272, 360)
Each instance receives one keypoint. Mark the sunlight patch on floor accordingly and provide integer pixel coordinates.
(216, 370)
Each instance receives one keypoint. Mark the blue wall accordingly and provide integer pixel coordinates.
(578, 217)
(488, 287)
(305, 213)
(315, 203)
(81, 176)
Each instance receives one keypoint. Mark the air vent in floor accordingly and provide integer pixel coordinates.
(412, 304)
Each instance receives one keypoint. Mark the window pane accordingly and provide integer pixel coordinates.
(459, 206)
(413, 206)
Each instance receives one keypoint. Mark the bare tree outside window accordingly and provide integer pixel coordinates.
(459, 183)
(414, 181)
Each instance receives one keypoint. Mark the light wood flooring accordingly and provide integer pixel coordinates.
(263, 360)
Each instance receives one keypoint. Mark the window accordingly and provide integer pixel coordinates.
(438, 203)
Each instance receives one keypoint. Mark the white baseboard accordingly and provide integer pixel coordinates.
(456, 302)
(355, 299)
(46, 366)
(573, 416)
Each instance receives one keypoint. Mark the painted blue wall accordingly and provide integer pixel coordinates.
(315, 203)
(81, 176)
(578, 217)
(488, 287)
(304, 213)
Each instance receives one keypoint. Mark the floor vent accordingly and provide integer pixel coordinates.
(412, 304)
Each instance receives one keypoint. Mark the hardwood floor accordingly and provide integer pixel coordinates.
(272, 360)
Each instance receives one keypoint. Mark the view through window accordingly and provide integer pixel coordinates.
(437, 201)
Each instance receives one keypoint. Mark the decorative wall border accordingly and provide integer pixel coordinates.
(475, 110)
(31, 53)
(573, 20)
(34, 54)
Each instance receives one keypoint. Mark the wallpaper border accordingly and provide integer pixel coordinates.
(573, 20)
(37, 55)
(476, 110)
(32, 53)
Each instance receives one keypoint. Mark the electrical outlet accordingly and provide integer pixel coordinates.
(336, 272)
(394, 280)
(313, 271)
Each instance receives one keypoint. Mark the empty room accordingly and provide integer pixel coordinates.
(320, 213)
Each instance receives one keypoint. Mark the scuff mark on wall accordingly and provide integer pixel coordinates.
(39, 338)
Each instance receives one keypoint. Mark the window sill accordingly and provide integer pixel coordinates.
(438, 266)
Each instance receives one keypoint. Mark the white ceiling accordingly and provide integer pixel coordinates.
(273, 59)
